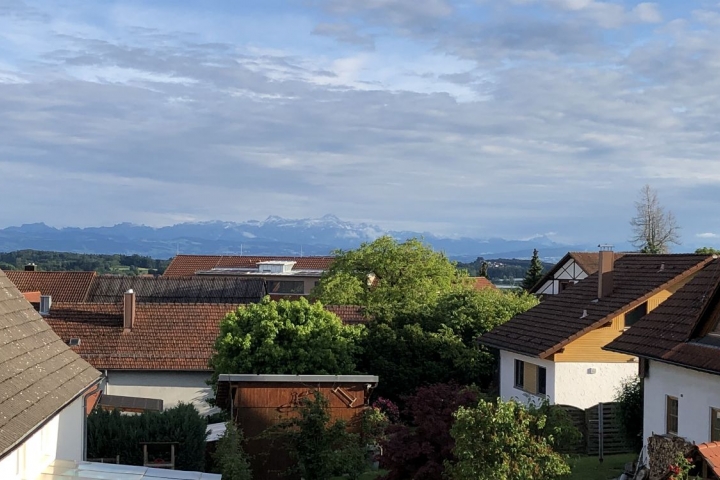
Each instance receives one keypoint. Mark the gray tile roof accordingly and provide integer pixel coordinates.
(39, 374)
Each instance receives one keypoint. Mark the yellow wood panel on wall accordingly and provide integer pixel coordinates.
(588, 348)
(530, 378)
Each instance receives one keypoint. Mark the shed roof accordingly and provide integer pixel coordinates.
(39, 373)
(561, 318)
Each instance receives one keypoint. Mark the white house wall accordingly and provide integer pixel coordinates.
(62, 437)
(507, 378)
(696, 392)
(584, 385)
(170, 387)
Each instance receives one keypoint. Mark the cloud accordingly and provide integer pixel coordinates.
(500, 120)
(707, 235)
(647, 13)
(345, 33)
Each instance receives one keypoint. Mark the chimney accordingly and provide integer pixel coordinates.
(128, 310)
(30, 267)
(606, 266)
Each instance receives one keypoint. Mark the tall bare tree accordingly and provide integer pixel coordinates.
(654, 228)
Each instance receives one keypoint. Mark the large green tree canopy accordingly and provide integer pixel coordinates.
(285, 337)
(388, 276)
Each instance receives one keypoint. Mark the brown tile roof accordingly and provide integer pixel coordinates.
(555, 322)
(673, 332)
(194, 289)
(62, 286)
(39, 374)
(588, 261)
(480, 283)
(711, 454)
(184, 265)
(32, 297)
(164, 336)
(349, 314)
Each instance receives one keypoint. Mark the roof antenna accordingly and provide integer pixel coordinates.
(301, 251)
(241, 249)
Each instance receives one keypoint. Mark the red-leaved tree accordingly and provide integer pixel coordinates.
(419, 450)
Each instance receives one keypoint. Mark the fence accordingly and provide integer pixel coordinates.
(599, 431)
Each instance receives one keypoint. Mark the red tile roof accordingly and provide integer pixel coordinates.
(481, 283)
(32, 297)
(711, 454)
(184, 265)
(62, 286)
(349, 314)
(559, 319)
(163, 337)
(675, 331)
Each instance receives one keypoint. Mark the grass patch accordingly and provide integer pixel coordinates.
(589, 468)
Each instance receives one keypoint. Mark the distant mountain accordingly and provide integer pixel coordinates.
(272, 236)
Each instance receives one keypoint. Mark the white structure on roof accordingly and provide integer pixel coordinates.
(64, 470)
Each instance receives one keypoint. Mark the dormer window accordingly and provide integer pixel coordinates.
(635, 314)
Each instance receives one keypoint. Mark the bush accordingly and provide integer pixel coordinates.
(498, 442)
(109, 434)
(629, 399)
(322, 448)
(558, 428)
(420, 450)
(231, 460)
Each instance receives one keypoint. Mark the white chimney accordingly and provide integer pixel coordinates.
(128, 310)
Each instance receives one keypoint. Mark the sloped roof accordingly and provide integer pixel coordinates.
(480, 283)
(184, 265)
(588, 261)
(39, 374)
(165, 336)
(349, 314)
(673, 332)
(558, 320)
(711, 454)
(62, 286)
(195, 289)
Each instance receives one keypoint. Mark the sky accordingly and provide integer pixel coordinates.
(503, 118)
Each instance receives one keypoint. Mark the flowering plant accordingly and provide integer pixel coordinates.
(391, 411)
(680, 470)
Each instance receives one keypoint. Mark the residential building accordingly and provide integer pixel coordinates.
(679, 347)
(481, 283)
(572, 268)
(554, 350)
(147, 350)
(46, 391)
(285, 277)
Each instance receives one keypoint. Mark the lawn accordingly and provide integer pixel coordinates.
(589, 468)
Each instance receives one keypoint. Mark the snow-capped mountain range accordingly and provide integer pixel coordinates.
(272, 236)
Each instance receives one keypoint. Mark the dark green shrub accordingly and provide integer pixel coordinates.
(111, 433)
(229, 456)
(629, 413)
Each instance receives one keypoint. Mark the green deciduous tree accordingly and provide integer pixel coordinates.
(707, 251)
(534, 272)
(654, 229)
(229, 456)
(388, 276)
(495, 441)
(285, 337)
(438, 345)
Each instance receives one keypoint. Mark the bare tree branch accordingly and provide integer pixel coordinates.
(653, 228)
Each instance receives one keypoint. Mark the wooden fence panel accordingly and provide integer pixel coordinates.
(587, 421)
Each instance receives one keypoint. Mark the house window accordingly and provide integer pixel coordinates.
(530, 378)
(635, 314)
(671, 415)
(286, 287)
(715, 424)
(564, 284)
(542, 380)
(519, 374)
